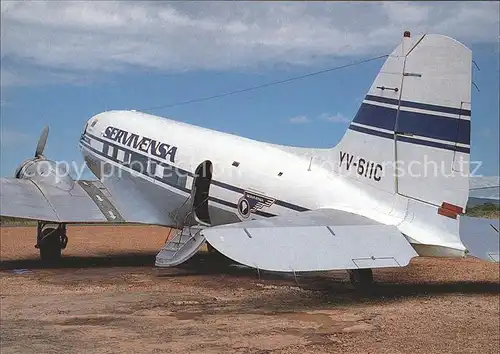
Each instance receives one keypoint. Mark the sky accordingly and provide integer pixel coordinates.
(62, 62)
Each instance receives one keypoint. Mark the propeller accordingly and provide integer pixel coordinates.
(41, 142)
(40, 146)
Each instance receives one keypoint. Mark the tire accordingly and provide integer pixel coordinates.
(50, 246)
(210, 248)
(218, 258)
(361, 278)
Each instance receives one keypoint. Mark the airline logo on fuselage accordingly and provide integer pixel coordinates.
(141, 143)
(251, 202)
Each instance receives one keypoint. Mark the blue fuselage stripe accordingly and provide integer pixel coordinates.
(409, 139)
(376, 116)
(432, 126)
(241, 190)
(135, 156)
(427, 107)
(372, 132)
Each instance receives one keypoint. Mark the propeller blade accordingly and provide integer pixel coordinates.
(42, 141)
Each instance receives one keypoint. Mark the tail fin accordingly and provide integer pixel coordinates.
(411, 134)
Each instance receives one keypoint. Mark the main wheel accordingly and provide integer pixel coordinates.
(361, 278)
(217, 257)
(210, 248)
(50, 245)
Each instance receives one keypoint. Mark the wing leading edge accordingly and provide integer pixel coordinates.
(312, 241)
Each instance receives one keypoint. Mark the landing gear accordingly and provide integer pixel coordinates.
(50, 240)
(211, 248)
(361, 278)
(217, 258)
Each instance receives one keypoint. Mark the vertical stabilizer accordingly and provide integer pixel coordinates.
(411, 135)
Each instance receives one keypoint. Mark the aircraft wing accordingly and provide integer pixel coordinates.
(24, 198)
(84, 201)
(315, 240)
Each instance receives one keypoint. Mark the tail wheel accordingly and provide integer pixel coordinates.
(361, 278)
(51, 244)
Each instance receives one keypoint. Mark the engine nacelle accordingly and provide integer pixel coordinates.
(46, 171)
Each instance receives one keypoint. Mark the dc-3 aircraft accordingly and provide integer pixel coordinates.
(395, 186)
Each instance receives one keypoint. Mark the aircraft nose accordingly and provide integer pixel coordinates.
(91, 122)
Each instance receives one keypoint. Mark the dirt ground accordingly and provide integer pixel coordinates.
(106, 297)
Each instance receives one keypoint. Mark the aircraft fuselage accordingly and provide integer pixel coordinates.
(249, 179)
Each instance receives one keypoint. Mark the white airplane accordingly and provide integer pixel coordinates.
(395, 187)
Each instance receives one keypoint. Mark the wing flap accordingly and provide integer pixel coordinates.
(362, 244)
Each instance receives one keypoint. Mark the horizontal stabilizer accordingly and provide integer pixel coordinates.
(481, 237)
(314, 243)
(484, 189)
